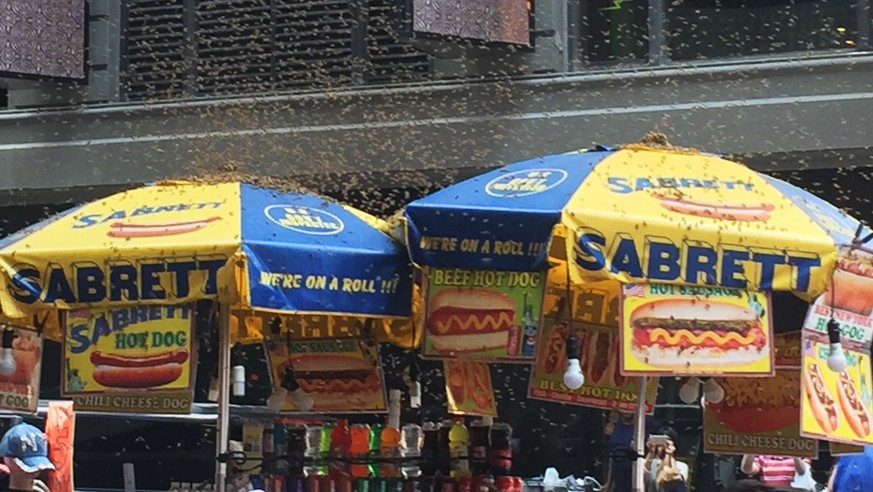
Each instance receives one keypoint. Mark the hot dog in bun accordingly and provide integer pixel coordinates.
(853, 408)
(466, 319)
(128, 230)
(694, 332)
(715, 209)
(138, 371)
(851, 288)
(823, 406)
(752, 405)
(336, 380)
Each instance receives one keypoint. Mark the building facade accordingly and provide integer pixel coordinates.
(350, 95)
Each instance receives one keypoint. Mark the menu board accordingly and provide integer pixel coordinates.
(469, 388)
(605, 387)
(19, 381)
(692, 330)
(836, 406)
(758, 416)
(482, 314)
(342, 375)
(132, 359)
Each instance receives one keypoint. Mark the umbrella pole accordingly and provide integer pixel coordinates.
(223, 431)
(639, 484)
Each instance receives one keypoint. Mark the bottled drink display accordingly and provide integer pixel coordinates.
(480, 444)
(459, 444)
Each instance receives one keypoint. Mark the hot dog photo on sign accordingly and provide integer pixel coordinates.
(836, 405)
(488, 315)
(143, 348)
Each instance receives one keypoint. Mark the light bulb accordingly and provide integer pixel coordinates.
(276, 401)
(7, 362)
(302, 401)
(712, 391)
(573, 377)
(690, 391)
(837, 359)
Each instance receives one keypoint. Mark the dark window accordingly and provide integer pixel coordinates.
(724, 28)
(616, 30)
(181, 48)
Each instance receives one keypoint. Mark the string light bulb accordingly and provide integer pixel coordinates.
(7, 357)
(690, 391)
(573, 377)
(836, 358)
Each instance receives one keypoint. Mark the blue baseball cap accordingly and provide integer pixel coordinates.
(28, 446)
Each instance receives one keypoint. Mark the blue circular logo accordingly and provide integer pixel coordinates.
(524, 183)
(305, 219)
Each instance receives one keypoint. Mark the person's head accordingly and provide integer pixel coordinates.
(25, 450)
(671, 434)
(627, 418)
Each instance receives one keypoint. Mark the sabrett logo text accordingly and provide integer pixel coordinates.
(89, 220)
(621, 184)
(693, 263)
(118, 281)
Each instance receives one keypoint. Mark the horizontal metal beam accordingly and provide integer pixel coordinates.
(771, 111)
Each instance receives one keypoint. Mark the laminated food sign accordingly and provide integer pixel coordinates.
(132, 359)
(342, 375)
(19, 385)
(692, 330)
(482, 314)
(836, 406)
(758, 416)
(605, 387)
(469, 388)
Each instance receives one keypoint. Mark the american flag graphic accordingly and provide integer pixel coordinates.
(634, 290)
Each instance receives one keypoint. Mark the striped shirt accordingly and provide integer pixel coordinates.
(777, 470)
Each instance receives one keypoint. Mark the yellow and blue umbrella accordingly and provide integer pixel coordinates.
(247, 246)
(635, 214)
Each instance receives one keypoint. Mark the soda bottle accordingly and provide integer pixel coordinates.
(459, 443)
(429, 449)
(359, 449)
(480, 443)
(324, 446)
(529, 327)
(390, 443)
(340, 439)
(411, 437)
(501, 449)
(444, 455)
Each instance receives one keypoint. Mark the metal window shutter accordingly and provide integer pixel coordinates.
(238, 47)
(389, 59)
(154, 44)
